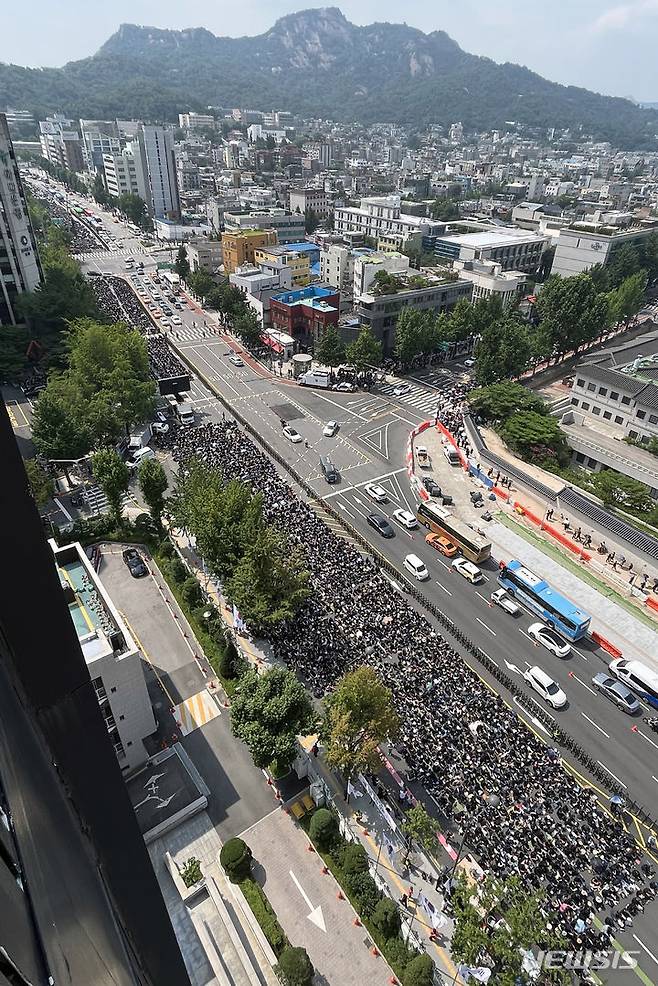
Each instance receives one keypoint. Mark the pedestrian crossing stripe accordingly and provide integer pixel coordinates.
(418, 397)
(190, 333)
(196, 711)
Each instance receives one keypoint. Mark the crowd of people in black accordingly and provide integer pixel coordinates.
(459, 740)
(83, 238)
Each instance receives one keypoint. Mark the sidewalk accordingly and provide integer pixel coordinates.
(635, 638)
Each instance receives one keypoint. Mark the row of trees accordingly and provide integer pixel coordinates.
(105, 390)
(425, 332)
(132, 206)
(260, 574)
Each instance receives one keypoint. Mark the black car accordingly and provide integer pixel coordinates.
(381, 525)
(431, 486)
(447, 500)
(135, 563)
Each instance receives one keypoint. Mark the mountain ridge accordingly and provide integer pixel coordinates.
(317, 63)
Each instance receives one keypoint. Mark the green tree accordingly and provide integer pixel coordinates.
(40, 483)
(182, 264)
(617, 490)
(444, 209)
(330, 349)
(113, 476)
(624, 262)
(649, 256)
(463, 321)
(386, 918)
(418, 827)
(13, 352)
(359, 715)
(535, 437)
(419, 972)
(295, 967)
(409, 335)
(200, 282)
(99, 191)
(153, 483)
(269, 583)
(499, 400)
(503, 350)
(268, 712)
(235, 857)
(59, 427)
(311, 221)
(571, 311)
(133, 208)
(248, 328)
(629, 296)
(365, 351)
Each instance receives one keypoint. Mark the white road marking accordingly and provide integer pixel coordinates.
(609, 771)
(447, 591)
(580, 682)
(215, 369)
(532, 718)
(642, 945)
(492, 632)
(483, 598)
(447, 567)
(578, 653)
(315, 914)
(591, 721)
(644, 736)
(342, 506)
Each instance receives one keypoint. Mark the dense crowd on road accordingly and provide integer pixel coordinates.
(83, 239)
(118, 302)
(458, 739)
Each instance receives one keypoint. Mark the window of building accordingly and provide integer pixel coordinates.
(603, 391)
(591, 387)
(596, 410)
(585, 406)
(653, 419)
(580, 457)
(607, 415)
(580, 382)
(574, 400)
(618, 419)
(641, 415)
(632, 434)
(614, 395)
(626, 400)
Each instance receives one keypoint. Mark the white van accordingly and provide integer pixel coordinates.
(417, 567)
(451, 454)
(141, 455)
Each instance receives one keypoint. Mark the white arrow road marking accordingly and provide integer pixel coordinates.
(512, 667)
(532, 718)
(315, 914)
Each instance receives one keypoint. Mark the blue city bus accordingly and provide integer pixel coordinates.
(535, 593)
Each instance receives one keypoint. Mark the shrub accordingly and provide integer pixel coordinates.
(397, 954)
(295, 968)
(191, 872)
(235, 857)
(178, 570)
(167, 549)
(262, 911)
(386, 917)
(323, 828)
(364, 890)
(190, 591)
(354, 859)
(419, 972)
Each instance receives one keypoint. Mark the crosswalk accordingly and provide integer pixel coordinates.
(418, 397)
(109, 253)
(191, 333)
(196, 711)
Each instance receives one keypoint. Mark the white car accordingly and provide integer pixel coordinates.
(176, 320)
(406, 518)
(402, 390)
(377, 493)
(292, 435)
(549, 639)
(165, 323)
(417, 567)
(544, 685)
(236, 361)
(330, 429)
(468, 570)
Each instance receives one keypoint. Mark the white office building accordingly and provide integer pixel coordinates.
(121, 174)
(196, 121)
(20, 269)
(585, 244)
(156, 169)
(111, 654)
(489, 279)
(380, 218)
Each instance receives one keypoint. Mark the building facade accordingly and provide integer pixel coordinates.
(239, 246)
(380, 217)
(204, 254)
(99, 137)
(60, 143)
(306, 313)
(271, 259)
(20, 268)
(511, 248)
(489, 280)
(196, 121)
(302, 200)
(583, 245)
(120, 172)
(156, 171)
(289, 228)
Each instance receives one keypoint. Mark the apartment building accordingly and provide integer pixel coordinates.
(271, 259)
(156, 170)
(239, 246)
(111, 655)
(289, 228)
(379, 217)
(20, 268)
(303, 200)
(121, 177)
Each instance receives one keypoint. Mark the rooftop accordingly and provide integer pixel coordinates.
(492, 237)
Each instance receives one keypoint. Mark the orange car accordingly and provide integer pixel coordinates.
(442, 544)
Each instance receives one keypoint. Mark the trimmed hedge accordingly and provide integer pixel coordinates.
(295, 967)
(236, 858)
(262, 911)
(323, 828)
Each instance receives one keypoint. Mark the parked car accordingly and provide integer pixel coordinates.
(468, 570)
(431, 486)
(133, 560)
(381, 525)
(544, 685)
(549, 639)
(377, 493)
(330, 429)
(176, 320)
(406, 518)
(345, 387)
(441, 544)
(617, 692)
(502, 598)
(292, 435)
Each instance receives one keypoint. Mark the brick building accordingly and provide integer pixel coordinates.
(306, 313)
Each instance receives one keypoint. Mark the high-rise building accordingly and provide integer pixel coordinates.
(60, 143)
(99, 137)
(20, 269)
(121, 174)
(79, 900)
(156, 169)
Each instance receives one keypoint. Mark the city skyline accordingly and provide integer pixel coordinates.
(607, 49)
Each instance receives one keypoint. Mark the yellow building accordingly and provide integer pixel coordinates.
(240, 246)
(274, 258)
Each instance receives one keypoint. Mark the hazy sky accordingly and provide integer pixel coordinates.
(601, 44)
